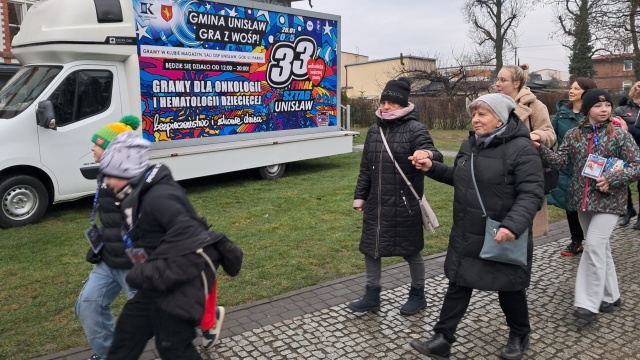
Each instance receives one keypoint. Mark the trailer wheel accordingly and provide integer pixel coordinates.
(272, 172)
(24, 201)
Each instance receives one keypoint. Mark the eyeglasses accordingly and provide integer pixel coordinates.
(501, 80)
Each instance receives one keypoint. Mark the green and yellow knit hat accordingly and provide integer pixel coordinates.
(106, 134)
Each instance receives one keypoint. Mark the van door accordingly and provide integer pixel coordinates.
(84, 99)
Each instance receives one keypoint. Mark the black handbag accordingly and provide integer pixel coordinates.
(551, 178)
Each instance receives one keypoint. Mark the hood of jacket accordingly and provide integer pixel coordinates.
(513, 128)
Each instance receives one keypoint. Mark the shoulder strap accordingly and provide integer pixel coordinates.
(473, 177)
(204, 277)
(384, 140)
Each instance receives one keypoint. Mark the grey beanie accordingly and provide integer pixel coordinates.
(501, 104)
(126, 157)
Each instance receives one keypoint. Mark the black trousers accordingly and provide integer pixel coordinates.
(141, 319)
(456, 301)
(574, 226)
(629, 199)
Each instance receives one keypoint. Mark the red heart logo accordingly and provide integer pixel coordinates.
(315, 70)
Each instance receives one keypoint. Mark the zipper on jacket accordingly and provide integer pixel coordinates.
(405, 201)
(586, 182)
(382, 150)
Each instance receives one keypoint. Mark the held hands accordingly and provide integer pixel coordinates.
(420, 159)
(503, 235)
(602, 184)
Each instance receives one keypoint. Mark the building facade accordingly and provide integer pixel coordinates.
(367, 79)
(614, 72)
(12, 12)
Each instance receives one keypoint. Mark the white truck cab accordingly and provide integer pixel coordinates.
(81, 71)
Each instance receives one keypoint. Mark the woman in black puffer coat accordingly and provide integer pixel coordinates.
(628, 110)
(392, 221)
(507, 171)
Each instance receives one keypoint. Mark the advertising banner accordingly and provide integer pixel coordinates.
(214, 69)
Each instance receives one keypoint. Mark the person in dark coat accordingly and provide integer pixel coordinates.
(392, 220)
(174, 254)
(628, 110)
(567, 117)
(111, 264)
(507, 172)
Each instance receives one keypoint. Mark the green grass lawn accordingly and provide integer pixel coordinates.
(296, 231)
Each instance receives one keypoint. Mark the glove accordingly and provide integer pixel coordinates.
(92, 257)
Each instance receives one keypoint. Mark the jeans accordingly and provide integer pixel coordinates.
(93, 307)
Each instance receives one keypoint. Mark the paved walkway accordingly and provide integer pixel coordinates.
(314, 323)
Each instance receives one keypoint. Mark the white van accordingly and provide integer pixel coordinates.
(81, 70)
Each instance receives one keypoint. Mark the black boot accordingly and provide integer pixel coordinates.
(415, 303)
(585, 314)
(631, 212)
(516, 345)
(608, 307)
(369, 302)
(436, 348)
(636, 226)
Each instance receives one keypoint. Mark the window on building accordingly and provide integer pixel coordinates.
(626, 86)
(628, 65)
(17, 11)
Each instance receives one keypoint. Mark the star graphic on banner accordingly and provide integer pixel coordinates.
(232, 12)
(327, 29)
(263, 12)
(142, 31)
(208, 6)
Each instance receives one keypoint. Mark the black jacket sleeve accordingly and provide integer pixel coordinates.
(363, 185)
(423, 141)
(529, 186)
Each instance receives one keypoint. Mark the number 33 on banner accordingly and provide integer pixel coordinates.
(289, 61)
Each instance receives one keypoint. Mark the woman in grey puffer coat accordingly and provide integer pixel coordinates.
(392, 221)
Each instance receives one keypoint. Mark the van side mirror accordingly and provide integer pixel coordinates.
(45, 115)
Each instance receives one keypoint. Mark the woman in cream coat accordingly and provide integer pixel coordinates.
(511, 81)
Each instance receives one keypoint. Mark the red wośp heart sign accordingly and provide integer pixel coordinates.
(315, 70)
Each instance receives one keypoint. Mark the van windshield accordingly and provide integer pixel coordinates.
(24, 87)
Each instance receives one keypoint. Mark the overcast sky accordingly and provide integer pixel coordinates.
(432, 28)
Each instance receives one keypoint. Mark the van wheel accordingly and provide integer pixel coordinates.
(24, 201)
(272, 172)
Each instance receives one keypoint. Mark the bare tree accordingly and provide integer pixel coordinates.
(494, 24)
(463, 76)
(613, 25)
(575, 20)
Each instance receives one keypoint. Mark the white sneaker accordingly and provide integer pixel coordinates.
(212, 336)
